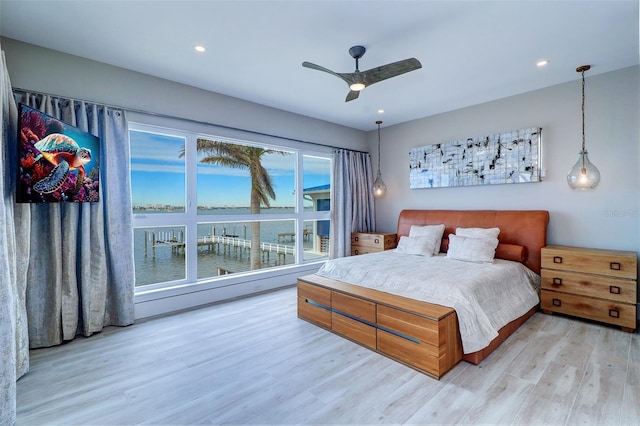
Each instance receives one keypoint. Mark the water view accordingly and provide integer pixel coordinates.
(223, 248)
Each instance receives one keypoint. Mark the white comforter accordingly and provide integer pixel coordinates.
(486, 296)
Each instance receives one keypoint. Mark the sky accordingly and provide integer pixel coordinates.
(158, 175)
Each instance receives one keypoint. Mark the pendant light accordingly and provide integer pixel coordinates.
(379, 188)
(583, 175)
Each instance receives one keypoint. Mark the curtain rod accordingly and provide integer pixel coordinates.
(189, 120)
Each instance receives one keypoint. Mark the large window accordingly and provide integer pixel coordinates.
(206, 207)
(157, 172)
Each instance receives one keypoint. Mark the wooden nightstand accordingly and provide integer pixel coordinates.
(590, 283)
(371, 242)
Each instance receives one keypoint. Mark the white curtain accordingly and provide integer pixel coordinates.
(352, 203)
(14, 350)
(80, 274)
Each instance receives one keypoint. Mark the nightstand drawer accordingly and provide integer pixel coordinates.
(363, 250)
(373, 240)
(611, 312)
(598, 286)
(594, 261)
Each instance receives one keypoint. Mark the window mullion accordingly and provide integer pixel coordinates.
(299, 208)
(191, 201)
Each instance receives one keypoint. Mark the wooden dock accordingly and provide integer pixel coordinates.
(283, 236)
(226, 245)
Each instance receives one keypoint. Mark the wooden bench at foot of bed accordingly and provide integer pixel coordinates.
(421, 335)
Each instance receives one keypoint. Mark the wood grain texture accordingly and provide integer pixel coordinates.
(251, 361)
(427, 310)
(590, 283)
(430, 345)
(357, 307)
(614, 263)
(611, 312)
(372, 242)
(313, 313)
(354, 330)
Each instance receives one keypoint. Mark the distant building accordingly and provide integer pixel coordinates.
(320, 196)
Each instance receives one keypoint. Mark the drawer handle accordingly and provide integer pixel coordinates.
(557, 259)
(615, 266)
(614, 289)
(614, 313)
(556, 302)
(356, 251)
(557, 281)
(356, 238)
(377, 241)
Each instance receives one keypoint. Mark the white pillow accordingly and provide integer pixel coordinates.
(432, 231)
(416, 245)
(479, 250)
(478, 232)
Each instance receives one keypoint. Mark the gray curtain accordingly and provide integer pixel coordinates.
(352, 203)
(80, 274)
(14, 350)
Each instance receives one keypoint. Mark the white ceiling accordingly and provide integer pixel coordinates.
(471, 51)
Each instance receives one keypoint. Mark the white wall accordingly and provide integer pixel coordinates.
(607, 217)
(48, 71)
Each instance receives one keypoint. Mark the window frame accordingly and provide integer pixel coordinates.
(190, 217)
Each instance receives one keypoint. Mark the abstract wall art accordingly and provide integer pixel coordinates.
(509, 157)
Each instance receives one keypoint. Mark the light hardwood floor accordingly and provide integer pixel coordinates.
(252, 361)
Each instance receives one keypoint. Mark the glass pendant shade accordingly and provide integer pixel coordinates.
(583, 175)
(379, 188)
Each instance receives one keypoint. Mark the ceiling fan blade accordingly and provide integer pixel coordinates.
(393, 69)
(319, 68)
(371, 76)
(352, 95)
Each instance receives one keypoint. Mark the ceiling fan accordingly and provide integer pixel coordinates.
(359, 80)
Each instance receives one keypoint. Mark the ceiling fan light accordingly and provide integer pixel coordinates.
(356, 87)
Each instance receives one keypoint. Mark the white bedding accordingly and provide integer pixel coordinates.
(486, 296)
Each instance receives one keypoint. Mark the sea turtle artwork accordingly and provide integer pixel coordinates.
(65, 155)
(57, 162)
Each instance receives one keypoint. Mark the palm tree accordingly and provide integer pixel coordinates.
(244, 157)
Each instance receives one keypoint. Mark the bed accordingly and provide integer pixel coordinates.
(404, 315)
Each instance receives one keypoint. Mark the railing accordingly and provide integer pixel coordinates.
(154, 240)
(239, 242)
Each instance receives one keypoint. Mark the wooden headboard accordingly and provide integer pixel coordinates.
(527, 228)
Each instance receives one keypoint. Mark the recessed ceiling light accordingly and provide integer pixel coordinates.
(542, 62)
(380, 111)
(199, 48)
